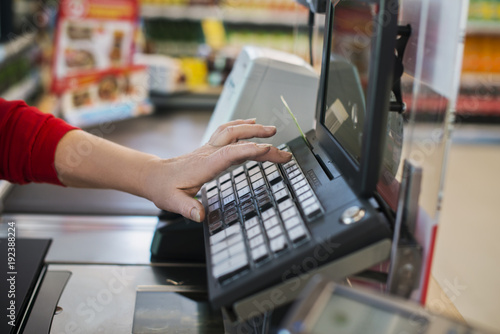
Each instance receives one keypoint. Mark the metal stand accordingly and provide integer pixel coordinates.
(406, 253)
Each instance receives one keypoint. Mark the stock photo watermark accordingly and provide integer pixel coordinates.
(11, 274)
(88, 310)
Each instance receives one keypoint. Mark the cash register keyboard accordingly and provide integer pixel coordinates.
(256, 213)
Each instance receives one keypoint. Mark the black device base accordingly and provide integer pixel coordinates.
(177, 239)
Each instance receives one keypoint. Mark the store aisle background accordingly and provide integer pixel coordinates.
(467, 249)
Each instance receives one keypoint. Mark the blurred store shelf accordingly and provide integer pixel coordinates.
(16, 45)
(260, 16)
(24, 89)
(483, 27)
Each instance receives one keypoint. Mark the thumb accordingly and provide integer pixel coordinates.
(188, 206)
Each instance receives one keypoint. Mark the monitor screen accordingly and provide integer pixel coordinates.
(347, 77)
(344, 315)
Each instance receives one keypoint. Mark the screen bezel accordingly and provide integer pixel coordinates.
(363, 177)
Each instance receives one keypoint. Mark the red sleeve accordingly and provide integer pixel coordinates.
(28, 141)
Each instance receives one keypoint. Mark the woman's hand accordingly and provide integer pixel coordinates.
(171, 184)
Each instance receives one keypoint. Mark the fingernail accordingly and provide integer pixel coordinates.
(269, 128)
(264, 145)
(252, 119)
(195, 215)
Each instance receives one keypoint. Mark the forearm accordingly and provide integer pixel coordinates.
(86, 161)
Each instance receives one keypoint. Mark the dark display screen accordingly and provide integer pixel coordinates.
(347, 78)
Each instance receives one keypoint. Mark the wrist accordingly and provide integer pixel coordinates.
(151, 175)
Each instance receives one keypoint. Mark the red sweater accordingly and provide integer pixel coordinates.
(28, 141)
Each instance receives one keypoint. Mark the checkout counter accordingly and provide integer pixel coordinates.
(99, 277)
(103, 238)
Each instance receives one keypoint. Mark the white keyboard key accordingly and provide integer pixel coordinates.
(243, 191)
(230, 267)
(297, 233)
(209, 186)
(236, 249)
(251, 222)
(271, 169)
(212, 193)
(241, 185)
(285, 205)
(268, 213)
(292, 168)
(234, 239)
(312, 209)
(267, 164)
(256, 241)
(254, 171)
(277, 187)
(227, 192)
(290, 223)
(305, 196)
(253, 232)
(239, 260)
(224, 178)
(258, 183)
(233, 229)
(283, 193)
(274, 232)
(278, 244)
(294, 174)
(218, 237)
(238, 171)
(289, 213)
(221, 269)
(229, 199)
(308, 202)
(271, 222)
(273, 176)
(219, 257)
(215, 248)
(259, 253)
(299, 184)
(256, 177)
(302, 190)
(251, 164)
(238, 263)
(290, 163)
(297, 179)
(225, 186)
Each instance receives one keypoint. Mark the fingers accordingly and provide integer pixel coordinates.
(275, 155)
(233, 133)
(232, 123)
(187, 206)
(234, 154)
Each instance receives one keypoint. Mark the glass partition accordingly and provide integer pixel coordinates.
(430, 83)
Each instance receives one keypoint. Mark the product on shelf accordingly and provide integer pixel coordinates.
(92, 36)
(482, 53)
(165, 74)
(106, 96)
(93, 71)
(488, 10)
(204, 34)
(245, 4)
